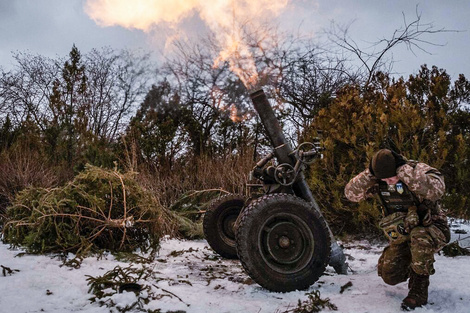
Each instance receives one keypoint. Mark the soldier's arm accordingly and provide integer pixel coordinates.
(358, 188)
(424, 180)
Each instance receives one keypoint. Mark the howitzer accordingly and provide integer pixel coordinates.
(281, 238)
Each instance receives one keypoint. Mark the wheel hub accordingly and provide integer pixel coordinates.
(226, 224)
(284, 242)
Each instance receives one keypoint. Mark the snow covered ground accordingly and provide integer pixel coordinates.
(188, 277)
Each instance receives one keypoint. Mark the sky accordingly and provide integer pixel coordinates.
(51, 27)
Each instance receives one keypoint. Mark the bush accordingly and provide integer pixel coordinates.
(415, 118)
(99, 209)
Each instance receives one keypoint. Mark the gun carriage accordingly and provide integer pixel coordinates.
(280, 237)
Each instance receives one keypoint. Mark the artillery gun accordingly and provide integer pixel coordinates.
(280, 236)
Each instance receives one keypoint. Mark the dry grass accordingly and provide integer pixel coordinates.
(21, 168)
(203, 173)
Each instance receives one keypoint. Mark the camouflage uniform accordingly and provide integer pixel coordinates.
(416, 252)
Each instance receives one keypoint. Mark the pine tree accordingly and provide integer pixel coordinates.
(67, 127)
(411, 117)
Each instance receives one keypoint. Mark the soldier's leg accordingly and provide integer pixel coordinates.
(425, 241)
(394, 263)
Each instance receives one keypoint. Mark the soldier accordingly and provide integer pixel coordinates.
(413, 220)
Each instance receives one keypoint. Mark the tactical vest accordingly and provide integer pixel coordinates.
(396, 198)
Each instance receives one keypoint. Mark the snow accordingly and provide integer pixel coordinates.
(188, 276)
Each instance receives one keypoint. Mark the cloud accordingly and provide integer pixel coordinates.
(227, 19)
(7, 9)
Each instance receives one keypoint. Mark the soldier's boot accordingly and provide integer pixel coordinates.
(418, 294)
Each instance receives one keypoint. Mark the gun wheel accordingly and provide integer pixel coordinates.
(219, 223)
(283, 242)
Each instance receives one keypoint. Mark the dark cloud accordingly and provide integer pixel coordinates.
(51, 27)
(7, 9)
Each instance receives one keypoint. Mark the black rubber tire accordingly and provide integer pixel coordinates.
(283, 242)
(218, 224)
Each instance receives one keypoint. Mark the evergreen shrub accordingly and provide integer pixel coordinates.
(99, 209)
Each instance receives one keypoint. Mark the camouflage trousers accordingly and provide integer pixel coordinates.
(416, 254)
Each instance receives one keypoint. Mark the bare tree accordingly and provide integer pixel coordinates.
(206, 93)
(311, 75)
(117, 82)
(25, 92)
(374, 58)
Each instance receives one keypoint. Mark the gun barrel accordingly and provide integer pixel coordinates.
(282, 149)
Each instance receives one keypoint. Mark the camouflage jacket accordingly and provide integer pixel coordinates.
(424, 181)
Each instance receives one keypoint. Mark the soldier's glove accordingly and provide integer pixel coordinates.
(371, 171)
(411, 219)
(425, 212)
(372, 191)
(399, 159)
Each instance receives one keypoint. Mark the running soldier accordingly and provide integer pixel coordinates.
(413, 220)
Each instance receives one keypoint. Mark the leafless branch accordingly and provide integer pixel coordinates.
(373, 58)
